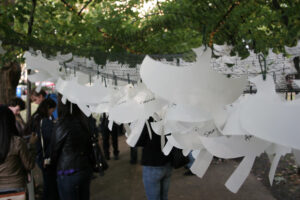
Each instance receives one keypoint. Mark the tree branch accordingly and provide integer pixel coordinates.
(84, 7)
(69, 6)
(31, 20)
(222, 21)
(118, 42)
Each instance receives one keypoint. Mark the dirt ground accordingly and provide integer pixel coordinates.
(286, 184)
(123, 181)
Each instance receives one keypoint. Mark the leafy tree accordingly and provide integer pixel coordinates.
(116, 30)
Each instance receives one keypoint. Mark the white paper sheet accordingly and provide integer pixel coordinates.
(186, 152)
(188, 141)
(186, 113)
(127, 129)
(157, 127)
(43, 65)
(274, 165)
(167, 148)
(39, 77)
(110, 124)
(201, 163)
(81, 95)
(174, 143)
(240, 174)
(293, 51)
(141, 103)
(267, 117)
(136, 130)
(234, 146)
(188, 85)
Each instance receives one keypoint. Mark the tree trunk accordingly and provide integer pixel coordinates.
(9, 79)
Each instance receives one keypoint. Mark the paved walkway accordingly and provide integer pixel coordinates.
(123, 181)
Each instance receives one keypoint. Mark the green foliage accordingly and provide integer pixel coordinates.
(114, 30)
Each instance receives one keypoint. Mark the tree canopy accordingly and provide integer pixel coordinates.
(117, 29)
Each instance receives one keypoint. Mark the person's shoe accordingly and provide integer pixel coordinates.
(188, 173)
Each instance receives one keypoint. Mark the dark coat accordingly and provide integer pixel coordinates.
(152, 153)
(71, 145)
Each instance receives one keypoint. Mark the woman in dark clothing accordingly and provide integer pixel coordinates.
(71, 151)
(42, 124)
(157, 167)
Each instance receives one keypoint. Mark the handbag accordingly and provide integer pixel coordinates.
(178, 160)
(46, 161)
(98, 160)
(13, 196)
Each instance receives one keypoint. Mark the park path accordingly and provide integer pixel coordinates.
(123, 181)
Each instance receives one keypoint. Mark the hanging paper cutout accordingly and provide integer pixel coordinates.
(293, 51)
(47, 70)
(266, 116)
(141, 104)
(188, 85)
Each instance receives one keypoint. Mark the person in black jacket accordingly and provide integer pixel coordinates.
(71, 152)
(157, 167)
(41, 123)
(106, 133)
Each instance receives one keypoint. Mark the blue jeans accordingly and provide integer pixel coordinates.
(50, 190)
(157, 181)
(191, 160)
(75, 186)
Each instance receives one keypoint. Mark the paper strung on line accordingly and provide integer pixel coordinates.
(167, 148)
(274, 152)
(294, 51)
(266, 116)
(127, 129)
(188, 85)
(240, 174)
(136, 130)
(141, 103)
(234, 146)
(46, 68)
(206, 114)
(81, 95)
(188, 141)
(187, 113)
(201, 163)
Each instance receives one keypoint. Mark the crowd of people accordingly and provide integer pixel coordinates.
(57, 139)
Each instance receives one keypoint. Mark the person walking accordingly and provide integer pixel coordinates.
(71, 153)
(15, 158)
(157, 167)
